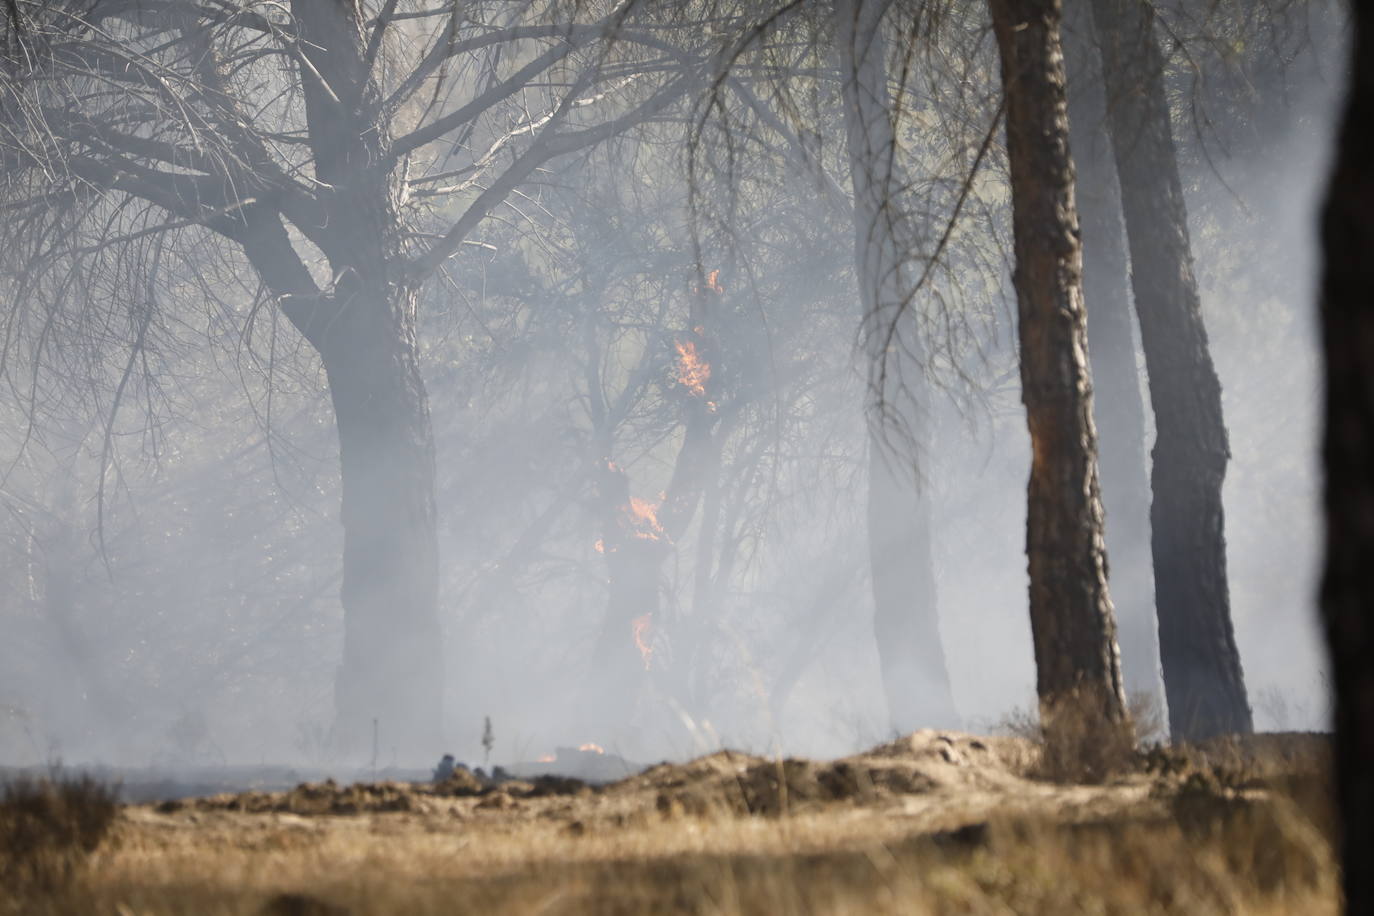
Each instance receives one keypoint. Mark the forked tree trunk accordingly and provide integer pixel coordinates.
(1347, 591)
(365, 332)
(639, 537)
(1197, 645)
(905, 622)
(1078, 674)
(1118, 411)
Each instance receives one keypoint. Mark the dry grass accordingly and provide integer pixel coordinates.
(932, 824)
(1075, 751)
(48, 828)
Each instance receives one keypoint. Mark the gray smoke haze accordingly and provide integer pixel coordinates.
(205, 627)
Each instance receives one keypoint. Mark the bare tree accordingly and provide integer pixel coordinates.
(1078, 674)
(344, 155)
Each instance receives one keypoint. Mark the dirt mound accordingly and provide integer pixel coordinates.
(932, 764)
(776, 788)
(729, 782)
(312, 799)
(960, 758)
(329, 797)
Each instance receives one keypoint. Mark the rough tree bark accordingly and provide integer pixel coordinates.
(910, 654)
(1347, 590)
(1078, 673)
(1118, 410)
(1197, 646)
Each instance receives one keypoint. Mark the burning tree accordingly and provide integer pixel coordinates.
(341, 155)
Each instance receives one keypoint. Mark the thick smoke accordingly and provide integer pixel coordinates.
(184, 612)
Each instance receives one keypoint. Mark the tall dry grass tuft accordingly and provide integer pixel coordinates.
(1073, 744)
(48, 828)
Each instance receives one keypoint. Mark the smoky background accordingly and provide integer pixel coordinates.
(172, 573)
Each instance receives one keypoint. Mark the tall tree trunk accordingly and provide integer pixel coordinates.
(905, 622)
(1347, 591)
(365, 333)
(1202, 672)
(1118, 411)
(635, 546)
(1078, 673)
(392, 668)
(639, 535)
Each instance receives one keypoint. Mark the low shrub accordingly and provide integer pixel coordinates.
(49, 827)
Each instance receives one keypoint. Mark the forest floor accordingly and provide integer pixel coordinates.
(934, 823)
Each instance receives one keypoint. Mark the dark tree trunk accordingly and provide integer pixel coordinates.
(1118, 410)
(365, 332)
(639, 535)
(900, 549)
(905, 621)
(1347, 592)
(1078, 674)
(635, 546)
(392, 666)
(1197, 646)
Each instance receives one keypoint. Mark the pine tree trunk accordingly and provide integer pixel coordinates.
(1118, 411)
(1078, 674)
(1347, 591)
(910, 653)
(1202, 671)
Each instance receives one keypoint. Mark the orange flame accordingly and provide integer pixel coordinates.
(712, 284)
(641, 630)
(547, 758)
(693, 372)
(591, 748)
(643, 516)
(600, 546)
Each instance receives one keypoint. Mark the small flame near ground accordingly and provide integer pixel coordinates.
(640, 626)
(693, 372)
(588, 747)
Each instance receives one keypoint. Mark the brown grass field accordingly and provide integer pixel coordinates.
(935, 823)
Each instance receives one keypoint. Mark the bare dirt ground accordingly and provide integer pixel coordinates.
(935, 823)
